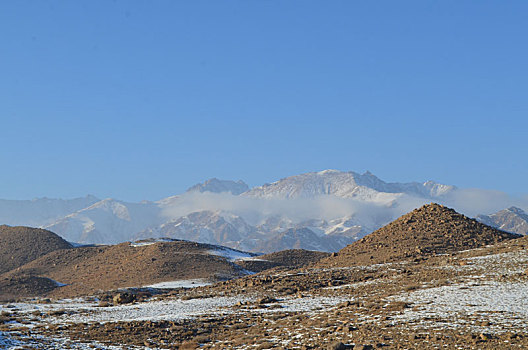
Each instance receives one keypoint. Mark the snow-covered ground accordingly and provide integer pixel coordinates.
(504, 305)
(175, 309)
(78, 310)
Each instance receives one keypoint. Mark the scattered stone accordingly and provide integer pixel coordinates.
(266, 300)
(124, 298)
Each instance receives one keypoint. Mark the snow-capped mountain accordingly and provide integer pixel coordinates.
(320, 210)
(220, 186)
(107, 222)
(204, 226)
(40, 211)
(512, 219)
(271, 235)
(365, 187)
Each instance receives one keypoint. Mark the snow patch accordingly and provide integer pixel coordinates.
(180, 284)
(166, 310)
(230, 254)
(150, 242)
(59, 284)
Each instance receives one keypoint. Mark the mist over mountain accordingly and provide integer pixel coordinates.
(319, 210)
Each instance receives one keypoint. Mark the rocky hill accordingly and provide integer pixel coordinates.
(20, 245)
(86, 270)
(431, 229)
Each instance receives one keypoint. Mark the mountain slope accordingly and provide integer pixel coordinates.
(301, 238)
(205, 227)
(513, 220)
(20, 245)
(431, 229)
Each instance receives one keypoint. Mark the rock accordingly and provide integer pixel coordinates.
(337, 346)
(267, 300)
(124, 298)
(363, 347)
(484, 336)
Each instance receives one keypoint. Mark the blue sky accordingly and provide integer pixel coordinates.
(142, 99)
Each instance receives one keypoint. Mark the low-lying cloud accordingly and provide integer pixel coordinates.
(471, 202)
(254, 210)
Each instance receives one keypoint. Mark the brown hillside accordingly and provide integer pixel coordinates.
(431, 229)
(292, 258)
(86, 270)
(20, 245)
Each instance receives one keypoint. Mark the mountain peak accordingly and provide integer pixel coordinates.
(364, 186)
(516, 210)
(329, 172)
(219, 186)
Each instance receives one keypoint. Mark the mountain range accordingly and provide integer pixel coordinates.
(323, 210)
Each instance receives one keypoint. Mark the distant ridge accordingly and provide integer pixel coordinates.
(20, 245)
(350, 184)
(220, 186)
(430, 229)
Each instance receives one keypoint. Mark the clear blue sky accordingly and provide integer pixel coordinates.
(142, 99)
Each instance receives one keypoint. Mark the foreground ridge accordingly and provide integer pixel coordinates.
(428, 230)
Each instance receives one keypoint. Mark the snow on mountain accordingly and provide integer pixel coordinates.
(205, 227)
(40, 211)
(512, 219)
(365, 187)
(220, 186)
(275, 233)
(107, 222)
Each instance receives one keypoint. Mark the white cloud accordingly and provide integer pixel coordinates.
(471, 202)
